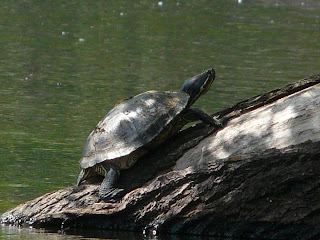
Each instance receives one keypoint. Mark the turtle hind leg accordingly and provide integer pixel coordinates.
(108, 192)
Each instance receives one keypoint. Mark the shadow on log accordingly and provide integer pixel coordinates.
(256, 177)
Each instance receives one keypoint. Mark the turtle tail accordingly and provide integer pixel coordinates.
(83, 175)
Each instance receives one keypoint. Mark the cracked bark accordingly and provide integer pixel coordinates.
(256, 177)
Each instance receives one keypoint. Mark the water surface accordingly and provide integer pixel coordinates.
(63, 65)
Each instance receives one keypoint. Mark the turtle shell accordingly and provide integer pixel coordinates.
(131, 125)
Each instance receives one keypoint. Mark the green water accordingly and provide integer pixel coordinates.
(63, 65)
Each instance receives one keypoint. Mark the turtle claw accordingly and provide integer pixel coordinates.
(223, 122)
(219, 123)
(113, 195)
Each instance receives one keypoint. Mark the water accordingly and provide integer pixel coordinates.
(63, 65)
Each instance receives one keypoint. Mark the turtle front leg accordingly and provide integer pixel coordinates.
(108, 192)
(194, 114)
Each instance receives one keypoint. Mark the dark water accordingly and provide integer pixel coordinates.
(63, 65)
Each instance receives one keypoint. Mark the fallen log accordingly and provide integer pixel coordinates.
(259, 176)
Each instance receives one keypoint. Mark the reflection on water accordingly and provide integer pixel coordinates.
(12, 232)
(65, 63)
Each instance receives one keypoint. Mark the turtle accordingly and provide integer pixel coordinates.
(137, 126)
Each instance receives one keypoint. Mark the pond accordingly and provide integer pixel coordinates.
(65, 63)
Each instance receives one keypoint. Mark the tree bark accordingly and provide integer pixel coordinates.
(256, 177)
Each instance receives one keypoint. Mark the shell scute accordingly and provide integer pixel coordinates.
(131, 125)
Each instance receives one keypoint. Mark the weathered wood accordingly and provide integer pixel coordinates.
(256, 177)
(287, 121)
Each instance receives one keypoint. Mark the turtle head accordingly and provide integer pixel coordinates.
(198, 85)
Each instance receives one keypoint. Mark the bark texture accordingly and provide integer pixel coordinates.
(256, 177)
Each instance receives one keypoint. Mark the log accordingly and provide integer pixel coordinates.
(256, 177)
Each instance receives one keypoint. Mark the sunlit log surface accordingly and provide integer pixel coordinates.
(256, 177)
